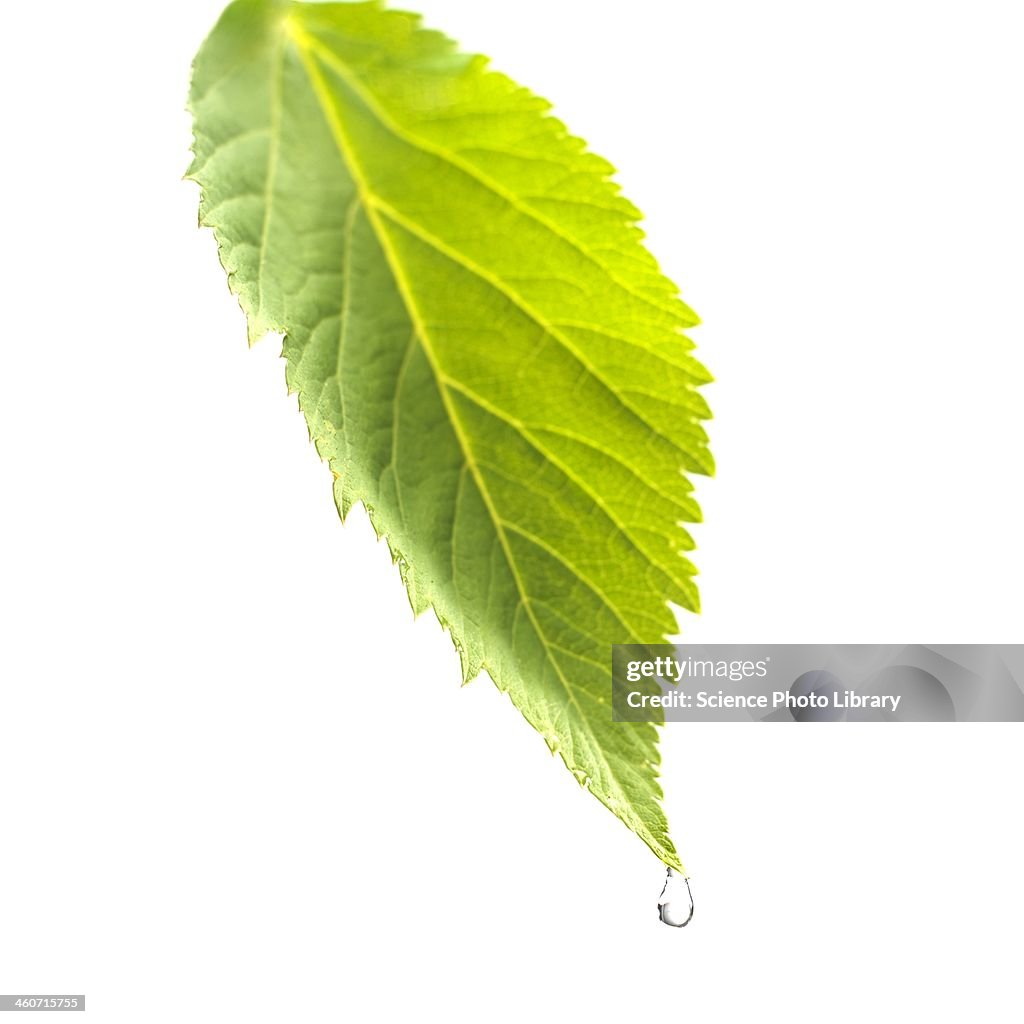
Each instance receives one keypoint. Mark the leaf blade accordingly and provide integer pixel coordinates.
(486, 355)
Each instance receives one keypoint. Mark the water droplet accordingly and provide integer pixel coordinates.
(675, 904)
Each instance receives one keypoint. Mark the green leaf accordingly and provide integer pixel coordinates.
(486, 355)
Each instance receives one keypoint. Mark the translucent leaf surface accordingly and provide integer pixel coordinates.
(486, 355)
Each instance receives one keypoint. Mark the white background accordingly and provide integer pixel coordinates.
(237, 780)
